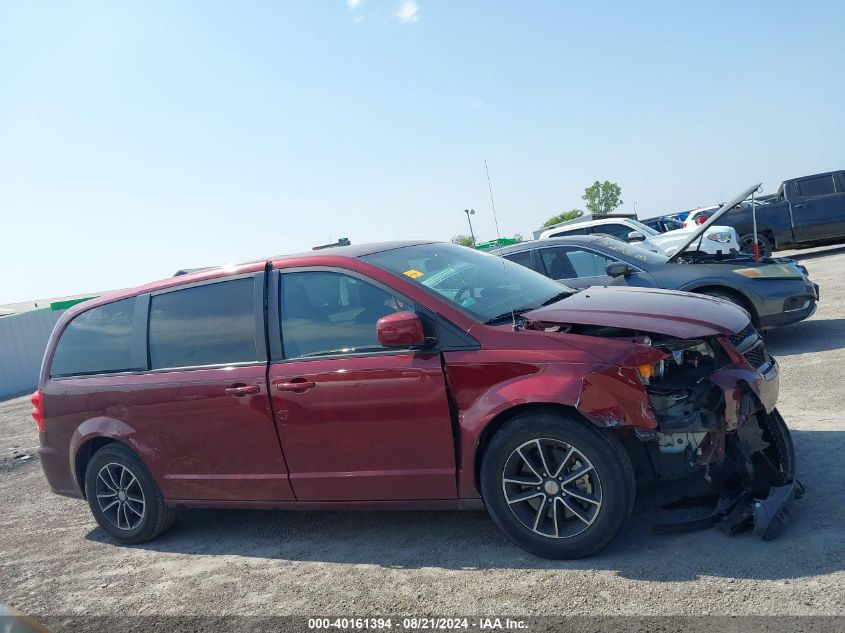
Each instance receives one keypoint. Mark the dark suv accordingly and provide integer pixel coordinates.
(405, 375)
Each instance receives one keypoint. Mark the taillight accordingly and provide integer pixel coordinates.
(38, 411)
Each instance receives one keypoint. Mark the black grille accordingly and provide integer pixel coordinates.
(753, 350)
(757, 356)
(743, 334)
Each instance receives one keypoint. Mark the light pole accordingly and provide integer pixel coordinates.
(470, 212)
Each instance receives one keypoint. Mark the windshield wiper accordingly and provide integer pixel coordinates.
(556, 298)
(509, 315)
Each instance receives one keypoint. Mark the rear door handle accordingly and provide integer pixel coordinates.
(238, 391)
(296, 385)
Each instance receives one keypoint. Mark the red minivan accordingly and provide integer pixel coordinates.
(409, 375)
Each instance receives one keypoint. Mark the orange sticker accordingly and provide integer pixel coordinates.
(413, 274)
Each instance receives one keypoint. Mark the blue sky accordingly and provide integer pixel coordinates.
(139, 138)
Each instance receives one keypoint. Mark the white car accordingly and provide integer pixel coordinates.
(716, 239)
(692, 219)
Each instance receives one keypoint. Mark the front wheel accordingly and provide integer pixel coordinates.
(123, 496)
(556, 486)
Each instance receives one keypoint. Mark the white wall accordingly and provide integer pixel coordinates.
(23, 338)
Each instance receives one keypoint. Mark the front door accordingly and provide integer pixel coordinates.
(357, 421)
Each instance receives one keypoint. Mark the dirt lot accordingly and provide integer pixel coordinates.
(54, 560)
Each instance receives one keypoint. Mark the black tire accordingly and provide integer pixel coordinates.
(616, 488)
(746, 244)
(130, 521)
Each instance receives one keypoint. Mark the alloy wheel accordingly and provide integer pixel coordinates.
(552, 488)
(120, 496)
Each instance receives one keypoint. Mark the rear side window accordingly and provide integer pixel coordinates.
(213, 324)
(569, 232)
(817, 186)
(616, 230)
(522, 258)
(98, 341)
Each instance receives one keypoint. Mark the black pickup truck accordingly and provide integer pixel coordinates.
(806, 211)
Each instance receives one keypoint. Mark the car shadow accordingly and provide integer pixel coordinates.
(814, 254)
(470, 541)
(814, 335)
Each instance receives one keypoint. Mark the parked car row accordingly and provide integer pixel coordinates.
(806, 211)
(718, 240)
(420, 375)
(774, 292)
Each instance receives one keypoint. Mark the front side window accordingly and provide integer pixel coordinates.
(557, 264)
(329, 313)
(483, 285)
(98, 341)
(817, 186)
(212, 324)
(573, 262)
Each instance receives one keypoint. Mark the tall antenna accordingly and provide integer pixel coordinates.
(499, 238)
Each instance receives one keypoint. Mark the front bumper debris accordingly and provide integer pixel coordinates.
(758, 486)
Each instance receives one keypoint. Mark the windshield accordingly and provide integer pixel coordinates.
(646, 230)
(483, 285)
(630, 251)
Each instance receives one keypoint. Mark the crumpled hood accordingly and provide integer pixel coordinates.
(680, 314)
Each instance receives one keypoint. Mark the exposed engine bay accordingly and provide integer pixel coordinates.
(710, 414)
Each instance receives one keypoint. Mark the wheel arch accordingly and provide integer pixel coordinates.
(503, 417)
(740, 296)
(84, 454)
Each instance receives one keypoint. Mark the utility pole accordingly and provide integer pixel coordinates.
(470, 212)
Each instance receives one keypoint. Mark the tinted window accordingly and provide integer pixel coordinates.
(818, 186)
(671, 225)
(569, 232)
(327, 313)
(566, 262)
(212, 324)
(522, 258)
(97, 341)
(556, 263)
(617, 230)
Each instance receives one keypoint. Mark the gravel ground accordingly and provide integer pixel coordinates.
(54, 560)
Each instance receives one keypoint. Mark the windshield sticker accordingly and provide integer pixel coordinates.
(413, 274)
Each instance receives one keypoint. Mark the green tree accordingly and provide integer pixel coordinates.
(463, 240)
(563, 217)
(602, 197)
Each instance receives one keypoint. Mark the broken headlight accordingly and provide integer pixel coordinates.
(686, 363)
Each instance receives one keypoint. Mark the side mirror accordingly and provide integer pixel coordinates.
(635, 236)
(617, 269)
(400, 329)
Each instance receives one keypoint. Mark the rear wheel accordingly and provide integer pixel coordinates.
(123, 496)
(746, 244)
(557, 487)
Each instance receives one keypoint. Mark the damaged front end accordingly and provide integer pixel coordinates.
(704, 405)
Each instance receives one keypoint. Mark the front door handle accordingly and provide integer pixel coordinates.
(297, 385)
(238, 391)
